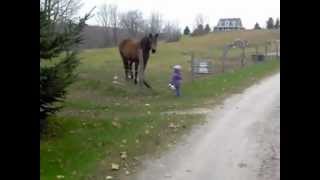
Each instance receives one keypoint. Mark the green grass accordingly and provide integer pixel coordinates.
(85, 142)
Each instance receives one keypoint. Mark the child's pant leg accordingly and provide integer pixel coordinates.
(177, 90)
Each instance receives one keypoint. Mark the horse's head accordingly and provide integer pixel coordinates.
(153, 42)
(149, 43)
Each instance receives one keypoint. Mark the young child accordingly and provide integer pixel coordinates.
(176, 79)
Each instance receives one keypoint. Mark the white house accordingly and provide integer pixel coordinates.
(229, 24)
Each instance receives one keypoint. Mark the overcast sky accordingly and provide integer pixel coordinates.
(185, 11)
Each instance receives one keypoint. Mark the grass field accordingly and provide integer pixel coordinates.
(102, 119)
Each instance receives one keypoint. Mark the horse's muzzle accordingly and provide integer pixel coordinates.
(153, 50)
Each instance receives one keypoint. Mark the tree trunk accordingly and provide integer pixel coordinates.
(141, 68)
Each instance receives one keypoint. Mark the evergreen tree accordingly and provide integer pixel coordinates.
(198, 31)
(200, 28)
(207, 29)
(270, 23)
(257, 26)
(186, 31)
(58, 60)
(277, 25)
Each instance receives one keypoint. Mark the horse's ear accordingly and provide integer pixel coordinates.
(157, 35)
(150, 35)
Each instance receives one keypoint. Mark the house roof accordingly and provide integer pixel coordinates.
(230, 19)
(235, 22)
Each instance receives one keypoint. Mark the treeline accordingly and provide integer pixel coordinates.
(270, 24)
(114, 26)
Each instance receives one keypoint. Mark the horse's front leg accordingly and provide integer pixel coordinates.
(126, 68)
(130, 70)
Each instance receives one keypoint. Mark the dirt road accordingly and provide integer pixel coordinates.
(241, 141)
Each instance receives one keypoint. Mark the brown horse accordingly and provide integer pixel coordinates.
(129, 51)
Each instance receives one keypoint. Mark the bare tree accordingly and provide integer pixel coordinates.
(61, 10)
(103, 18)
(155, 23)
(172, 32)
(199, 20)
(132, 21)
(199, 29)
(114, 22)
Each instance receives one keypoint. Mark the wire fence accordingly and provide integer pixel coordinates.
(234, 57)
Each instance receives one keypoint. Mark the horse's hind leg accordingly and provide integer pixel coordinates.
(125, 66)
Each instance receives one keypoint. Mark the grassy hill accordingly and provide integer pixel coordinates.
(101, 119)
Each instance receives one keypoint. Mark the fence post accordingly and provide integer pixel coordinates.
(277, 49)
(243, 56)
(192, 66)
(266, 50)
(224, 57)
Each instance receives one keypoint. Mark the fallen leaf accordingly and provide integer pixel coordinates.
(127, 172)
(147, 131)
(137, 141)
(123, 155)
(60, 177)
(109, 177)
(115, 166)
(115, 124)
(124, 141)
(147, 104)
(172, 125)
